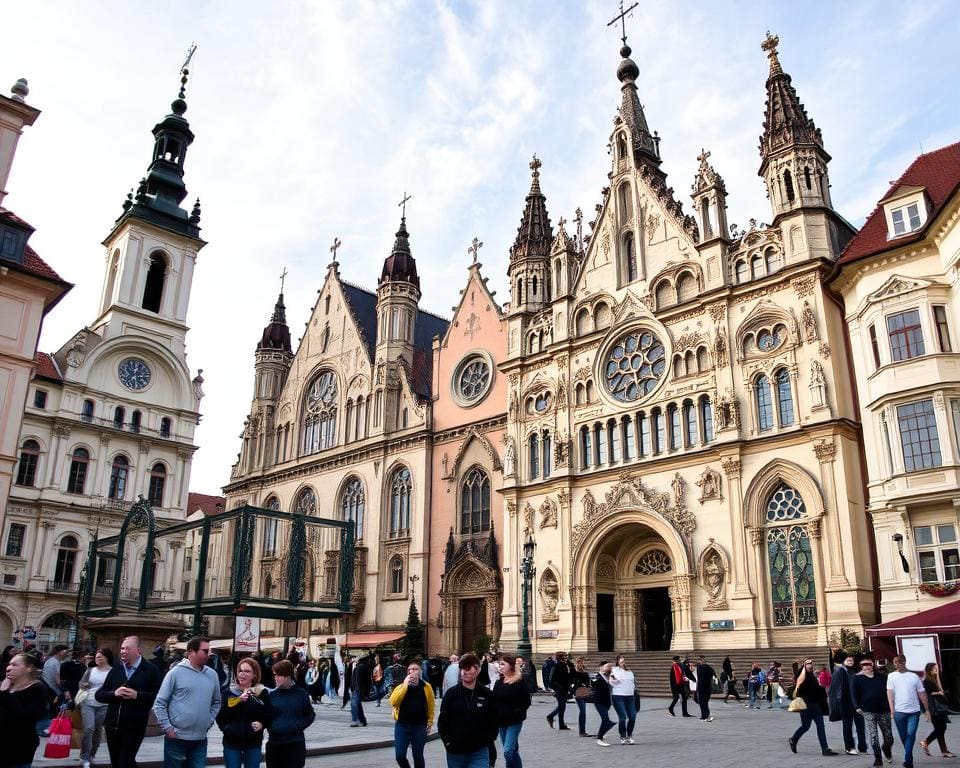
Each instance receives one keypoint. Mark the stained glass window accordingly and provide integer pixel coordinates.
(474, 379)
(634, 366)
(792, 582)
(320, 418)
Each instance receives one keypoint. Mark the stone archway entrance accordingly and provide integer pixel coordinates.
(471, 596)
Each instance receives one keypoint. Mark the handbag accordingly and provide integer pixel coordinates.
(797, 705)
(81, 697)
(58, 743)
(583, 693)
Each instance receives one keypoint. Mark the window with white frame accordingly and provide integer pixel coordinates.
(905, 219)
(937, 552)
(918, 435)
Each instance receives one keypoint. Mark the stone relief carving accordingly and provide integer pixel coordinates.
(728, 411)
(528, 514)
(561, 451)
(78, 350)
(709, 485)
(510, 459)
(818, 385)
(549, 596)
(548, 514)
(809, 322)
(678, 485)
(714, 575)
(720, 349)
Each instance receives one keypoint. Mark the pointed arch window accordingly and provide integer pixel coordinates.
(158, 479)
(320, 414)
(269, 547)
(400, 491)
(629, 258)
(29, 460)
(784, 397)
(153, 289)
(764, 404)
(79, 464)
(475, 502)
(586, 448)
(119, 474)
(706, 418)
(790, 559)
(396, 575)
(352, 505)
(66, 562)
(534, 455)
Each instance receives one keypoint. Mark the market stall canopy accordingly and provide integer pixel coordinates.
(942, 619)
(371, 639)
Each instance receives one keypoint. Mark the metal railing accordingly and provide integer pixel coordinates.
(63, 586)
(126, 427)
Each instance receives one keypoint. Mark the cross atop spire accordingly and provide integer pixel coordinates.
(185, 71)
(283, 277)
(334, 248)
(403, 204)
(622, 19)
(769, 44)
(473, 249)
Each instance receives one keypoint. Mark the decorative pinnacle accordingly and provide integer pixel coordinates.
(535, 166)
(474, 247)
(19, 91)
(769, 45)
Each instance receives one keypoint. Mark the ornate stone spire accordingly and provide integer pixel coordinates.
(534, 234)
(645, 144)
(276, 335)
(400, 264)
(707, 176)
(785, 122)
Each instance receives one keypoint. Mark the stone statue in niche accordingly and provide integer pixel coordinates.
(679, 488)
(548, 514)
(809, 322)
(510, 459)
(198, 385)
(549, 596)
(720, 349)
(78, 350)
(560, 451)
(714, 581)
(528, 514)
(818, 385)
(709, 485)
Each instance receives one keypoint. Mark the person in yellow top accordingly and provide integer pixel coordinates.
(413, 703)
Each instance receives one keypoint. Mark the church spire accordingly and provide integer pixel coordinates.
(645, 145)
(400, 264)
(163, 190)
(785, 123)
(534, 234)
(276, 335)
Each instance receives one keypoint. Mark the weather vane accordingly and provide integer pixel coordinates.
(403, 204)
(184, 70)
(622, 19)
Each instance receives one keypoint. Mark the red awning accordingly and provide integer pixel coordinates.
(942, 619)
(371, 639)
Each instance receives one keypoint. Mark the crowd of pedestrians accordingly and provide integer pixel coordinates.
(270, 700)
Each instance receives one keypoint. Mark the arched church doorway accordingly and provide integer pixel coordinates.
(633, 574)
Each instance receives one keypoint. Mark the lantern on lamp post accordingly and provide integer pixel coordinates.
(527, 571)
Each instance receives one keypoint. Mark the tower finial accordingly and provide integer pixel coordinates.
(622, 18)
(769, 44)
(474, 248)
(403, 204)
(283, 278)
(334, 248)
(185, 70)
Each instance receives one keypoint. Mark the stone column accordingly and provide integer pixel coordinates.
(141, 469)
(625, 619)
(566, 532)
(816, 547)
(61, 432)
(100, 486)
(826, 452)
(762, 605)
(40, 549)
(682, 615)
(175, 563)
(738, 534)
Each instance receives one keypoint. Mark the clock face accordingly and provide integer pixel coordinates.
(134, 373)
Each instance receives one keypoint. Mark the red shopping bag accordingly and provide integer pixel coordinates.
(58, 744)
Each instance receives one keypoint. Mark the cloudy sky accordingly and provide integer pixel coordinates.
(313, 118)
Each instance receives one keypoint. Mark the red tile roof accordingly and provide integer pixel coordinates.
(32, 263)
(939, 173)
(46, 367)
(209, 505)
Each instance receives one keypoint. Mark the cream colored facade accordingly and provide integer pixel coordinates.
(681, 409)
(117, 415)
(899, 286)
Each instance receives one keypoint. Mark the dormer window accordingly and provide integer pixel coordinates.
(905, 219)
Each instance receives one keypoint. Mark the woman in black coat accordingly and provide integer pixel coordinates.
(815, 699)
(23, 703)
(245, 712)
(602, 692)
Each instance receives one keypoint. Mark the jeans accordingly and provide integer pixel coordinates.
(560, 709)
(812, 714)
(875, 721)
(626, 709)
(907, 723)
(93, 718)
(356, 708)
(476, 759)
(605, 722)
(409, 736)
(242, 758)
(754, 700)
(851, 719)
(582, 717)
(290, 754)
(510, 738)
(179, 753)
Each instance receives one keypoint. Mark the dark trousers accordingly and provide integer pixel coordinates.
(939, 723)
(123, 745)
(731, 690)
(851, 719)
(289, 755)
(812, 714)
(680, 694)
(703, 699)
(560, 709)
(605, 722)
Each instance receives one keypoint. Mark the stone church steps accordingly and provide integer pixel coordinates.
(652, 667)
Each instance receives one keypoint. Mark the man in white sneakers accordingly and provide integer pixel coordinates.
(905, 694)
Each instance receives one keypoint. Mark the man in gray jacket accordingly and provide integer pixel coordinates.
(187, 706)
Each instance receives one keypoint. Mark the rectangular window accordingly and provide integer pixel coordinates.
(586, 450)
(937, 552)
(39, 399)
(644, 434)
(676, 439)
(659, 432)
(9, 579)
(907, 216)
(875, 346)
(906, 335)
(918, 435)
(628, 439)
(15, 536)
(614, 432)
(943, 330)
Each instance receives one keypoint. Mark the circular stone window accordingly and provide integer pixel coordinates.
(472, 379)
(634, 365)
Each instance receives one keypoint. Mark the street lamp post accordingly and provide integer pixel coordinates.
(527, 571)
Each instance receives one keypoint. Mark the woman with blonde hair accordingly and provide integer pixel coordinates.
(939, 709)
(580, 678)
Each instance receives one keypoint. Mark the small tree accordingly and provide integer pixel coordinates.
(412, 643)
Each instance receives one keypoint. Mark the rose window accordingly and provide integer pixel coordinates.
(474, 379)
(634, 365)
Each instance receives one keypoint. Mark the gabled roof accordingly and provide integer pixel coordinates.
(363, 306)
(45, 367)
(938, 172)
(32, 263)
(209, 505)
